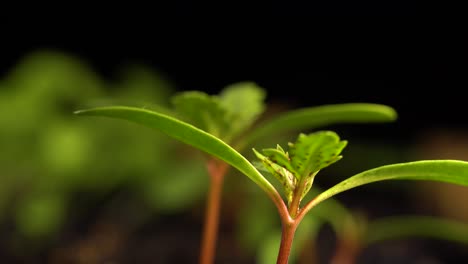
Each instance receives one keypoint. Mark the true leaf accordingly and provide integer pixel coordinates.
(315, 151)
(283, 175)
(280, 157)
(308, 155)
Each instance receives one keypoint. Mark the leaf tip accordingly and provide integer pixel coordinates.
(391, 113)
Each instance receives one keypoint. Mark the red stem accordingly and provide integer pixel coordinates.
(217, 170)
(287, 237)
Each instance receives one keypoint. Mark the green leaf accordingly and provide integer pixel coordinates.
(313, 117)
(309, 154)
(185, 133)
(283, 175)
(279, 156)
(225, 115)
(244, 102)
(203, 111)
(398, 227)
(315, 151)
(450, 171)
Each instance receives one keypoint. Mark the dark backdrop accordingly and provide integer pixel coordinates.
(393, 54)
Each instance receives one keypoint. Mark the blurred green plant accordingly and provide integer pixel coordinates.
(295, 169)
(49, 160)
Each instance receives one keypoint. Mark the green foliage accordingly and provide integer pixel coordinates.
(245, 103)
(175, 188)
(313, 152)
(185, 133)
(308, 155)
(48, 157)
(282, 174)
(217, 119)
(204, 111)
(211, 122)
(224, 115)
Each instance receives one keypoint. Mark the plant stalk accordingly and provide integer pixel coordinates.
(287, 237)
(216, 170)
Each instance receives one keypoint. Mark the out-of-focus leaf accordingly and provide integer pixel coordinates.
(225, 115)
(244, 102)
(40, 216)
(49, 75)
(178, 186)
(252, 233)
(203, 111)
(269, 248)
(407, 226)
(313, 117)
(63, 148)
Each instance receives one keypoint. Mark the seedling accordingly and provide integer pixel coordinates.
(220, 133)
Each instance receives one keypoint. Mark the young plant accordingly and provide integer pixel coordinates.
(311, 153)
(230, 117)
(296, 169)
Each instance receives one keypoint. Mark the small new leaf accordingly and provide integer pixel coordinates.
(313, 152)
(283, 175)
(308, 155)
(280, 157)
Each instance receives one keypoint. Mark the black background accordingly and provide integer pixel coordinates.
(409, 56)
